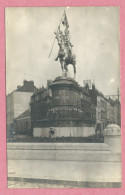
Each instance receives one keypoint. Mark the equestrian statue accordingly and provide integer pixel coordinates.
(65, 53)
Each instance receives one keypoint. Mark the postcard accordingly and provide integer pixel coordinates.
(64, 98)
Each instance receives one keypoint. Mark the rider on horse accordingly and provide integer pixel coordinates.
(65, 54)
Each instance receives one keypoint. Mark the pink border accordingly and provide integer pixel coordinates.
(3, 168)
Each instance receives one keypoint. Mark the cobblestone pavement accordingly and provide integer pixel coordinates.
(20, 184)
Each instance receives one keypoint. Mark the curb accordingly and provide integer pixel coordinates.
(75, 184)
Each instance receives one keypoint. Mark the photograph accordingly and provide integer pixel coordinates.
(63, 97)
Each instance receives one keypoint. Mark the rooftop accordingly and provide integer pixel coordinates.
(28, 86)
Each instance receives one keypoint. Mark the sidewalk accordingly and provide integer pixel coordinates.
(65, 173)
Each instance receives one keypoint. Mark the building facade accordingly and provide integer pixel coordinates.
(18, 101)
(115, 111)
(23, 123)
(107, 110)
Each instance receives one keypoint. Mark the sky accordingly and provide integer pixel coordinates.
(94, 34)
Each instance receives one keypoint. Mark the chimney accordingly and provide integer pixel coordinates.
(93, 86)
(18, 86)
(29, 83)
(87, 86)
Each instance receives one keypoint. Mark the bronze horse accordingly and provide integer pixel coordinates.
(66, 58)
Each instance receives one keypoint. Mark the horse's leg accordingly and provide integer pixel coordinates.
(62, 66)
(65, 66)
(66, 69)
